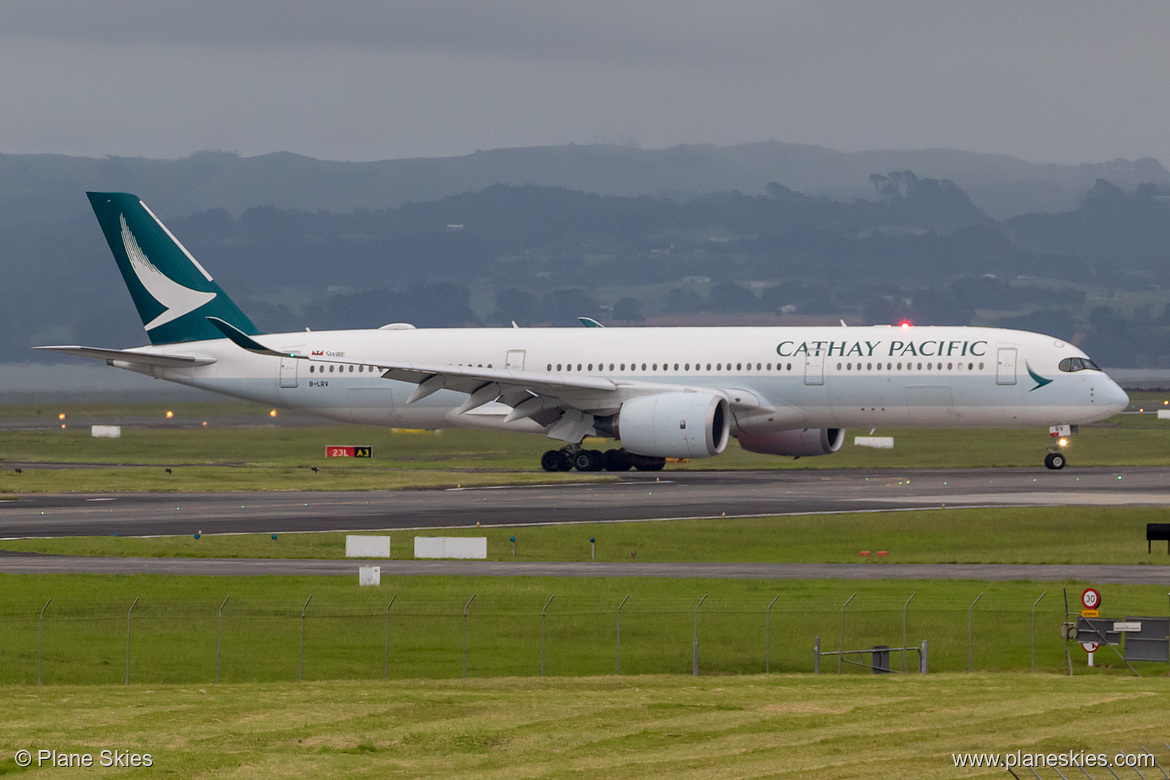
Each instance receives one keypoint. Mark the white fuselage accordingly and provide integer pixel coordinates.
(782, 377)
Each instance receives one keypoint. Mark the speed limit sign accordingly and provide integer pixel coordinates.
(1091, 599)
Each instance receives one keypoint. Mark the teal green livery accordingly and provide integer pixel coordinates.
(173, 293)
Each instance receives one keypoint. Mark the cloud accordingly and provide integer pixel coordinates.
(1071, 81)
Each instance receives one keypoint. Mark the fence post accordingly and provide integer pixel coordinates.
(619, 633)
(41, 639)
(550, 598)
(817, 656)
(904, 606)
(219, 639)
(301, 673)
(465, 606)
(1042, 595)
(128, 613)
(970, 635)
(695, 647)
(923, 662)
(768, 637)
(842, 647)
(387, 641)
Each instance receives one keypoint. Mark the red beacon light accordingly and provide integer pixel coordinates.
(905, 324)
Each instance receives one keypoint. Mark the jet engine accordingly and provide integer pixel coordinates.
(798, 443)
(675, 425)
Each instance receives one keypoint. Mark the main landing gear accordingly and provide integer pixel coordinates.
(571, 458)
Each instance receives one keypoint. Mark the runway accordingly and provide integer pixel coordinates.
(636, 496)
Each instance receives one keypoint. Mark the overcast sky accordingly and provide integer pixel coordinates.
(1068, 81)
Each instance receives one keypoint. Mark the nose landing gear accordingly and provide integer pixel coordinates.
(1055, 459)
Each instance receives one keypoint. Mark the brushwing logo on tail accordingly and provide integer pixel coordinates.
(177, 299)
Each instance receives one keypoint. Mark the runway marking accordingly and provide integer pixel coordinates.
(556, 485)
(1045, 499)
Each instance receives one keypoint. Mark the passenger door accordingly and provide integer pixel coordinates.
(1005, 366)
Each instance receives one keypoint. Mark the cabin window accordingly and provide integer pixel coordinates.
(611, 366)
(739, 366)
(869, 366)
(643, 366)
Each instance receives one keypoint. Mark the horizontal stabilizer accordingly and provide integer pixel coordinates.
(134, 357)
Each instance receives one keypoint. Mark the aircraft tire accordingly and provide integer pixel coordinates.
(1054, 461)
(551, 460)
(647, 463)
(588, 460)
(617, 460)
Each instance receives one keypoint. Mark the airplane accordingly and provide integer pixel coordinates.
(661, 392)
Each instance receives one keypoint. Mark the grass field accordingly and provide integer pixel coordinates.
(1053, 535)
(349, 632)
(226, 455)
(753, 726)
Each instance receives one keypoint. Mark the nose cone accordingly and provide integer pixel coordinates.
(1112, 397)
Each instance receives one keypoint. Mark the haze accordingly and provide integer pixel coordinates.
(1050, 82)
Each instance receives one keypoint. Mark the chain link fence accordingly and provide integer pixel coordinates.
(230, 638)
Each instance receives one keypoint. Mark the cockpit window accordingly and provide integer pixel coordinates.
(1078, 364)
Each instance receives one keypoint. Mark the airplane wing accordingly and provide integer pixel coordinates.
(567, 403)
(135, 357)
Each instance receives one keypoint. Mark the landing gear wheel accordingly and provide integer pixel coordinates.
(617, 460)
(646, 463)
(551, 460)
(1054, 461)
(588, 460)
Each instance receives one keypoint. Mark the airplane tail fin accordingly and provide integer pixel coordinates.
(173, 293)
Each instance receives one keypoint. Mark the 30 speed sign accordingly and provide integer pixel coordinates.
(1091, 599)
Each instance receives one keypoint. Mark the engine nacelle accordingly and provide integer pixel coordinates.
(675, 425)
(800, 442)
